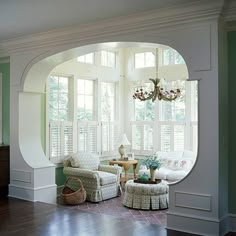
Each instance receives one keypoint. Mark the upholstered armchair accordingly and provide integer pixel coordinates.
(101, 182)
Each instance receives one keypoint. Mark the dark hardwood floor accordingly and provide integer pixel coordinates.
(23, 218)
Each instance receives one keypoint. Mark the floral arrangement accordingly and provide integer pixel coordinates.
(152, 162)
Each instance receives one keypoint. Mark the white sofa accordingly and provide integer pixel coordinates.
(175, 165)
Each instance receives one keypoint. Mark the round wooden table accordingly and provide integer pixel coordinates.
(126, 165)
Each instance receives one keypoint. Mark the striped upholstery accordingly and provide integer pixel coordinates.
(99, 184)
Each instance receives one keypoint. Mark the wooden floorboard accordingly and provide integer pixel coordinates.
(23, 218)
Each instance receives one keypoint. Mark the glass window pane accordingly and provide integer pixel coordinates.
(89, 58)
(148, 137)
(81, 59)
(80, 86)
(53, 82)
(63, 84)
(136, 137)
(139, 60)
(103, 58)
(88, 100)
(178, 58)
(63, 114)
(149, 59)
(88, 87)
(111, 59)
(80, 102)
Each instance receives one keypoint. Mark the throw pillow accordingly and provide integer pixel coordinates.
(66, 162)
(74, 160)
(88, 161)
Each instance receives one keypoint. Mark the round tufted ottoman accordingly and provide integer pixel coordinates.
(146, 196)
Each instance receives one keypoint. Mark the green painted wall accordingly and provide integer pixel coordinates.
(60, 177)
(223, 121)
(232, 119)
(5, 70)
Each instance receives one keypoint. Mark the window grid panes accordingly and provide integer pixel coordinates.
(108, 59)
(172, 57)
(107, 101)
(171, 129)
(85, 99)
(144, 110)
(87, 58)
(144, 59)
(58, 98)
(175, 110)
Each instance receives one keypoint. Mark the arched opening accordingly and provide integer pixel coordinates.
(167, 128)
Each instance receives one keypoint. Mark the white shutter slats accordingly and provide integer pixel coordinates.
(60, 140)
(55, 140)
(68, 138)
(179, 133)
(165, 138)
(87, 136)
(109, 137)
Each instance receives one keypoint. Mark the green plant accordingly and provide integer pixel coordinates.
(152, 162)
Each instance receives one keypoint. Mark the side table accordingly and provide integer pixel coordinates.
(126, 165)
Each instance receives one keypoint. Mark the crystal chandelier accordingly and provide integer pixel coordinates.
(158, 92)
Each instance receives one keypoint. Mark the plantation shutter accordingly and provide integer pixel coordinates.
(60, 140)
(165, 138)
(109, 137)
(68, 138)
(87, 136)
(178, 137)
(148, 137)
(55, 140)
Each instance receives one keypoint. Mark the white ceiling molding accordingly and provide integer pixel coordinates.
(4, 60)
(229, 12)
(229, 15)
(167, 17)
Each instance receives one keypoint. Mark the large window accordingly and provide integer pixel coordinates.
(109, 125)
(83, 120)
(166, 126)
(60, 126)
(58, 98)
(85, 99)
(108, 59)
(172, 57)
(144, 59)
(87, 58)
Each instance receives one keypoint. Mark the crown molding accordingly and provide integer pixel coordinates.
(229, 11)
(188, 12)
(229, 15)
(4, 60)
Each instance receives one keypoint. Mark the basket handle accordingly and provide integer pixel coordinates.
(77, 179)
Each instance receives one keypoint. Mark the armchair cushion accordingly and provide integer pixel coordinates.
(106, 178)
(85, 161)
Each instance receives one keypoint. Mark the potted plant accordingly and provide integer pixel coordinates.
(152, 163)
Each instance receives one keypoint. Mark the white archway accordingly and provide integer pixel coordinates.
(32, 176)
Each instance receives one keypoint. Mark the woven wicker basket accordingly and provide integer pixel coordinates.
(71, 197)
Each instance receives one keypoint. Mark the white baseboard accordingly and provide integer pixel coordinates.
(190, 224)
(224, 225)
(209, 226)
(43, 194)
(232, 222)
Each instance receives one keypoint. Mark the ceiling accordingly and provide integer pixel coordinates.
(24, 17)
